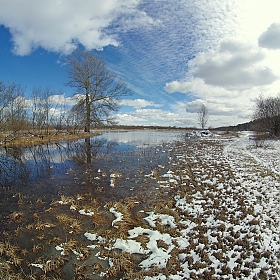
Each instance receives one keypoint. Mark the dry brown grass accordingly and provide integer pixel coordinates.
(122, 263)
(27, 139)
(17, 216)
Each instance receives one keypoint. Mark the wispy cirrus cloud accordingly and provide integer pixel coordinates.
(160, 54)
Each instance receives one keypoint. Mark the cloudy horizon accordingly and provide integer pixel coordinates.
(175, 55)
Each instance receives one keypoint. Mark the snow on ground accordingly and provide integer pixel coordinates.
(222, 220)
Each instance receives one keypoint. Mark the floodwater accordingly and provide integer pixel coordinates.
(110, 165)
(99, 170)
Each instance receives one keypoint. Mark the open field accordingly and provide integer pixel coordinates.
(212, 211)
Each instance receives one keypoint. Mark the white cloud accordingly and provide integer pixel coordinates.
(193, 106)
(130, 119)
(154, 114)
(254, 17)
(154, 117)
(55, 101)
(222, 112)
(61, 25)
(139, 103)
(234, 66)
(270, 39)
(178, 86)
(62, 100)
(225, 107)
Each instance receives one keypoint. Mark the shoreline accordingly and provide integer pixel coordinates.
(29, 139)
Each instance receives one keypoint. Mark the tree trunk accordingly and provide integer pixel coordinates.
(87, 125)
(88, 150)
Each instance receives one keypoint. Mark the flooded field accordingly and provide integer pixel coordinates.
(141, 205)
(105, 168)
(49, 169)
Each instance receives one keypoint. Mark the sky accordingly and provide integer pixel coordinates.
(175, 55)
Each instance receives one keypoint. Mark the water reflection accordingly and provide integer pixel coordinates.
(22, 166)
(26, 166)
(141, 138)
(12, 168)
(88, 150)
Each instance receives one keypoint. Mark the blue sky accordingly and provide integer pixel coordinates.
(174, 55)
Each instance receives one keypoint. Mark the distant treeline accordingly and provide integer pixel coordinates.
(240, 127)
(152, 127)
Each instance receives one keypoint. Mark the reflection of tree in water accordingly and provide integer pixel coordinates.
(12, 169)
(91, 149)
(21, 166)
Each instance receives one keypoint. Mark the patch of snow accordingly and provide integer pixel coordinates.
(130, 246)
(86, 212)
(60, 248)
(38, 265)
(118, 215)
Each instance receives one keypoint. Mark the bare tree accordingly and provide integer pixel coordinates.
(267, 114)
(38, 114)
(99, 88)
(75, 119)
(45, 105)
(17, 116)
(202, 115)
(13, 116)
